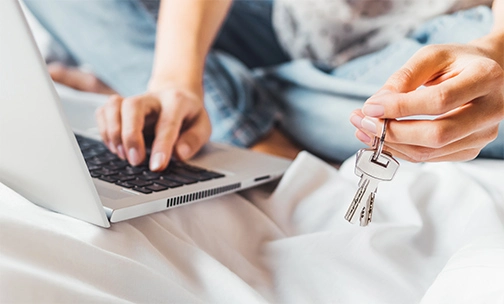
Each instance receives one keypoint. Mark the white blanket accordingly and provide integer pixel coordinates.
(291, 246)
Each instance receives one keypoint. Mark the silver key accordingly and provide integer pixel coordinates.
(372, 166)
(371, 172)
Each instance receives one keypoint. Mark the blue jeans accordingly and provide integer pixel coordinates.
(249, 81)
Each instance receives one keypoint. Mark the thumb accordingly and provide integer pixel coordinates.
(192, 139)
(418, 70)
(421, 68)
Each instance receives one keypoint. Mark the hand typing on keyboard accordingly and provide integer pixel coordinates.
(176, 117)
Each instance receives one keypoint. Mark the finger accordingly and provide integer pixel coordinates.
(474, 80)
(167, 131)
(475, 141)
(102, 124)
(419, 69)
(112, 113)
(462, 155)
(64, 75)
(78, 79)
(133, 112)
(179, 108)
(365, 138)
(192, 139)
(415, 72)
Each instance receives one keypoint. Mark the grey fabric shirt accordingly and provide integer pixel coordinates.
(332, 32)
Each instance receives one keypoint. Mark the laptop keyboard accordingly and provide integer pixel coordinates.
(106, 166)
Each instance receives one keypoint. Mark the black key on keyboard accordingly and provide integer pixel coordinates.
(167, 183)
(124, 178)
(107, 179)
(90, 154)
(119, 163)
(142, 190)
(140, 182)
(125, 184)
(105, 172)
(132, 170)
(156, 187)
(96, 162)
(107, 157)
(148, 175)
(93, 174)
(93, 167)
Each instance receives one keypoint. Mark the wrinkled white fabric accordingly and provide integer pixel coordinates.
(291, 246)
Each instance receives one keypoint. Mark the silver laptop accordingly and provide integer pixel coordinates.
(41, 158)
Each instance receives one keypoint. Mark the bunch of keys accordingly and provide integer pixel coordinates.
(372, 166)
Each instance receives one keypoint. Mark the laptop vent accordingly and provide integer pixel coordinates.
(175, 201)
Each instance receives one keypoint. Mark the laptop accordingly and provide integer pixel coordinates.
(42, 158)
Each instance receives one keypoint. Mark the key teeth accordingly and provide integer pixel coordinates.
(371, 205)
(363, 219)
(355, 203)
(362, 214)
(367, 211)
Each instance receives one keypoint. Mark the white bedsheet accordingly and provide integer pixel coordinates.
(291, 246)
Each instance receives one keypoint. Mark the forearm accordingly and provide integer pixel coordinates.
(186, 30)
(498, 12)
(493, 43)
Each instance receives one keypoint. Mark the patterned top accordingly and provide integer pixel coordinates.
(331, 32)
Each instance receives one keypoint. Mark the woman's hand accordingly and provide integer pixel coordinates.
(175, 115)
(464, 89)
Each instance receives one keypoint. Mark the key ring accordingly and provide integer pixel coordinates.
(380, 142)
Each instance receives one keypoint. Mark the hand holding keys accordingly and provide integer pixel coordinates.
(372, 166)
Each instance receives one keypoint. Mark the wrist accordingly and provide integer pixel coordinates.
(186, 79)
(184, 68)
(493, 45)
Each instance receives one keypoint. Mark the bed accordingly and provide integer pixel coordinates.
(437, 237)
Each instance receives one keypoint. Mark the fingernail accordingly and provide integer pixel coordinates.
(134, 158)
(363, 137)
(120, 152)
(373, 110)
(183, 150)
(112, 147)
(369, 125)
(356, 120)
(156, 161)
